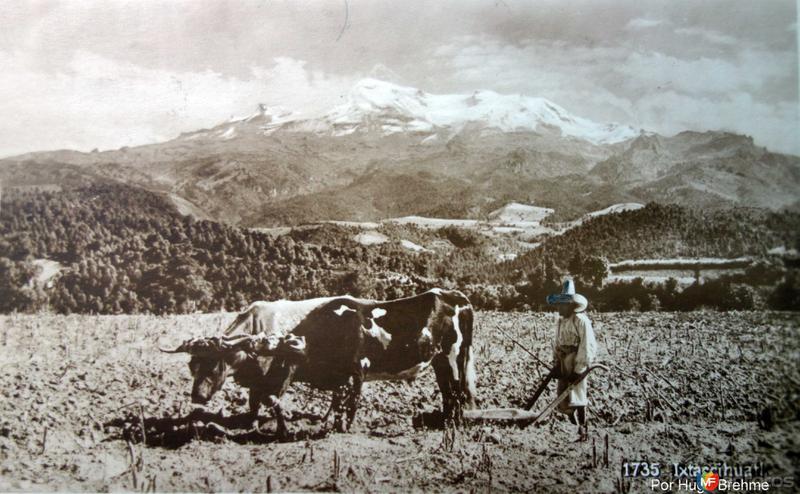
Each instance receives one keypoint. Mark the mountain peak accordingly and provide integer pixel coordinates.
(262, 115)
(378, 107)
(374, 104)
(370, 84)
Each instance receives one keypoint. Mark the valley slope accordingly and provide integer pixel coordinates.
(389, 150)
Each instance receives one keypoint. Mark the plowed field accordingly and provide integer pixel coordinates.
(701, 388)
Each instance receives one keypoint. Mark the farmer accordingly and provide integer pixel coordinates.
(574, 349)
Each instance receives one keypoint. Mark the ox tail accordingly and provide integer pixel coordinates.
(467, 361)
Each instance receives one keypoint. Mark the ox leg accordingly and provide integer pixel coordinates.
(336, 399)
(466, 362)
(280, 428)
(336, 405)
(278, 379)
(345, 403)
(254, 402)
(448, 385)
(353, 397)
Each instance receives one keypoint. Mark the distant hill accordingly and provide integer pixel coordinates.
(121, 249)
(389, 150)
(666, 231)
(124, 249)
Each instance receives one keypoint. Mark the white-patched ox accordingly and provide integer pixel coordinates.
(349, 341)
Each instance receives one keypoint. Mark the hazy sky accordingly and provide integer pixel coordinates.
(86, 74)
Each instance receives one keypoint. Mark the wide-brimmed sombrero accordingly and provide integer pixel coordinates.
(568, 296)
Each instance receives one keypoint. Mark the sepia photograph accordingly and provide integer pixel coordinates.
(547, 246)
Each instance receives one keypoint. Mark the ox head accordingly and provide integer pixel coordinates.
(214, 359)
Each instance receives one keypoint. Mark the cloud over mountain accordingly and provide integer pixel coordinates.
(386, 150)
(97, 74)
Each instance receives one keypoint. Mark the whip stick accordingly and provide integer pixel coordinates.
(550, 371)
(524, 348)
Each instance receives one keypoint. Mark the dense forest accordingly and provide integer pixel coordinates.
(673, 231)
(126, 250)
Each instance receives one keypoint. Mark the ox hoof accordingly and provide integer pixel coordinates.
(433, 419)
(339, 426)
(283, 435)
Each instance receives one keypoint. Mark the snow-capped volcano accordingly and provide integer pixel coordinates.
(380, 107)
(373, 104)
(389, 151)
(264, 118)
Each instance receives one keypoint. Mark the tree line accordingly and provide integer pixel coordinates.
(127, 250)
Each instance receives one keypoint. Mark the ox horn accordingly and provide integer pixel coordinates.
(185, 347)
(180, 349)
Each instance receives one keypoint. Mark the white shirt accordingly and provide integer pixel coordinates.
(576, 331)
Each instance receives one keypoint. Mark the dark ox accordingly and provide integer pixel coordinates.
(349, 341)
(218, 357)
(210, 370)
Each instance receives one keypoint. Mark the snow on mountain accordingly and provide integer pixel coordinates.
(265, 118)
(378, 105)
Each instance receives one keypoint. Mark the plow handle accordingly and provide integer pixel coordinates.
(532, 401)
(549, 408)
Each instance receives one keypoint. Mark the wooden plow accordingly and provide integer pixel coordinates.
(527, 417)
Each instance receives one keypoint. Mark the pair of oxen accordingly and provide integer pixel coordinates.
(336, 344)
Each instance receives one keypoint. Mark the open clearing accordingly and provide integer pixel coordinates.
(683, 388)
